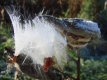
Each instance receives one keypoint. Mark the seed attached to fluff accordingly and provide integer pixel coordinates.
(48, 63)
(14, 58)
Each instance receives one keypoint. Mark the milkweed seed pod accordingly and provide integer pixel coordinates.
(28, 67)
(77, 31)
(43, 37)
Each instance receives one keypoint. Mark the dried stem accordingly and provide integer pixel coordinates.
(72, 58)
(65, 75)
(78, 65)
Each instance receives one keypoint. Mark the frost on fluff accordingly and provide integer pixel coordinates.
(37, 38)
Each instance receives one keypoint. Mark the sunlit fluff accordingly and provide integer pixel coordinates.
(37, 38)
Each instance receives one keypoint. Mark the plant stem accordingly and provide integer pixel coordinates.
(78, 65)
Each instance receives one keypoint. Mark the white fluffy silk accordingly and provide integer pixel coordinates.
(37, 38)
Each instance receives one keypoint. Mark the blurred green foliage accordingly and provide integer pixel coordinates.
(91, 9)
(87, 10)
(5, 38)
(90, 69)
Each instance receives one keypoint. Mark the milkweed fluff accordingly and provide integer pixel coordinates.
(37, 38)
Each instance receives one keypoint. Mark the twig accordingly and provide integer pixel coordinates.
(65, 74)
(72, 58)
(78, 65)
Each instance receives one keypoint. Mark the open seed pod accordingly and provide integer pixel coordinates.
(32, 70)
(43, 37)
(25, 65)
(77, 31)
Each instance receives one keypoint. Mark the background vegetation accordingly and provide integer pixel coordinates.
(93, 57)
